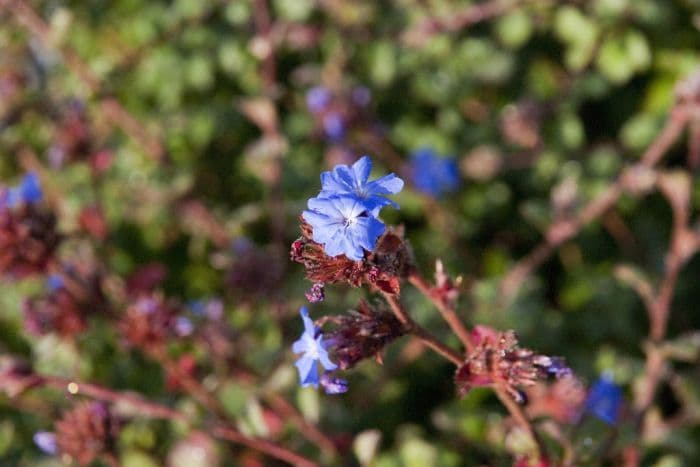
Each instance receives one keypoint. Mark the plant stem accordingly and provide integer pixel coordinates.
(421, 333)
(447, 312)
(154, 410)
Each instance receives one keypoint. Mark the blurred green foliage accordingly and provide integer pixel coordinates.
(543, 105)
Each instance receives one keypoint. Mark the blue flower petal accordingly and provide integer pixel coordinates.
(308, 371)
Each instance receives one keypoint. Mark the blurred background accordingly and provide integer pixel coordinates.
(177, 143)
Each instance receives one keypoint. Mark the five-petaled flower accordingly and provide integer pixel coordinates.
(343, 216)
(343, 225)
(314, 349)
(353, 181)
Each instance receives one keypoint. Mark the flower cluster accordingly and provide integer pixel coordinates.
(343, 217)
(497, 359)
(28, 236)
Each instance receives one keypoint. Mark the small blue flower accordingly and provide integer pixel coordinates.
(183, 326)
(343, 225)
(432, 174)
(318, 98)
(332, 384)
(314, 350)
(46, 441)
(54, 282)
(334, 126)
(28, 191)
(361, 96)
(604, 400)
(344, 180)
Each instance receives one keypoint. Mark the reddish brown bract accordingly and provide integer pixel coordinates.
(86, 432)
(28, 239)
(382, 269)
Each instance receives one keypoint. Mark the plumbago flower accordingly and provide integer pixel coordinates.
(343, 225)
(353, 181)
(343, 240)
(432, 174)
(604, 400)
(344, 215)
(315, 350)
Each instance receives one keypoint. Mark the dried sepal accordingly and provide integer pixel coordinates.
(362, 333)
(382, 268)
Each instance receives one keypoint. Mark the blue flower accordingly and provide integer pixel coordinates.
(54, 282)
(332, 384)
(46, 441)
(334, 126)
(28, 191)
(343, 225)
(432, 174)
(314, 350)
(318, 98)
(353, 180)
(604, 400)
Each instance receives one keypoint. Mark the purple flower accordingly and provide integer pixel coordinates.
(332, 384)
(604, 400)
(183, 326)
(28, 191)
(313, 347)
(334, 126)
(353, 180)
(432, 174)
(361, 96)
(318, 98)
(54, 282)
(46, 441)
(343, 225)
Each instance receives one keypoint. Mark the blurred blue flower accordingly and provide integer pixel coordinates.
(343, 225)
(54, 282)
(313, 348)
(318, 98)
(332, 384)
(353, 180)
(432, 174)
(46, 441)
(604, 400)
(183, 326)
(28, 191)
(361, 96)
(334, 126)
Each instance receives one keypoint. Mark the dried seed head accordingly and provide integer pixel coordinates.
(86, 432)
(361, 334)
(148, 321)
(498, 359)
(28, 239)
(73, 295)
